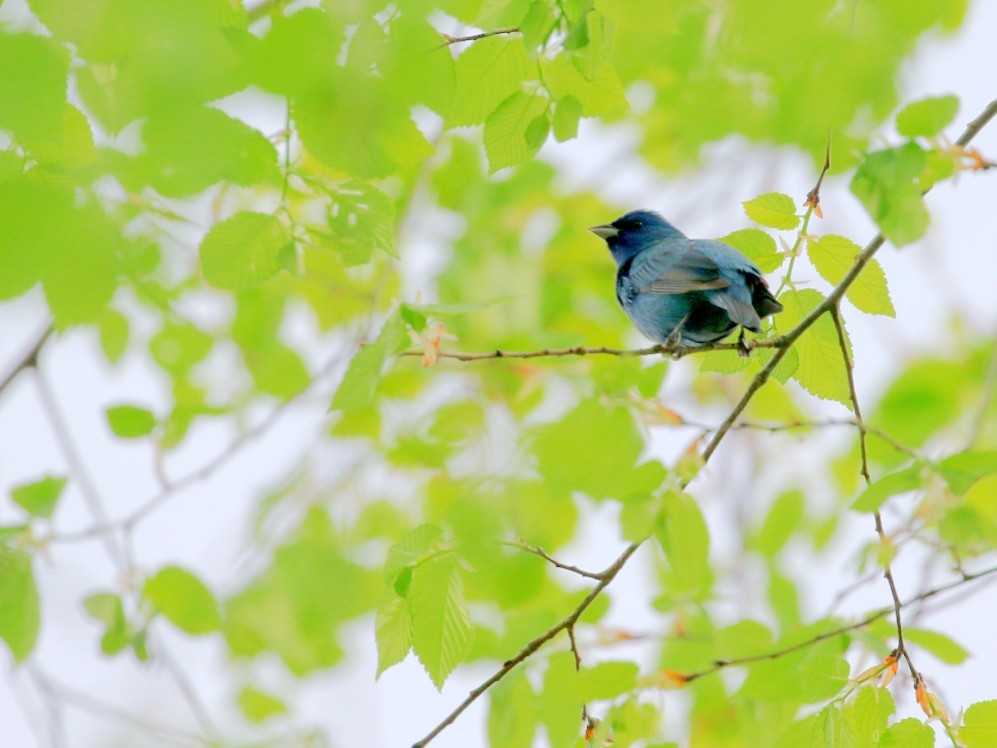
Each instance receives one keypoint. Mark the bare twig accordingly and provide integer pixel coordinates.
(813, 197)
(448, 40)
(553, 561)
(855, 626)
(864, 470)
(607, 577)
(27, 360)
(675, 352)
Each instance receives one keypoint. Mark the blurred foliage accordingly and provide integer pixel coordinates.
(142, 175)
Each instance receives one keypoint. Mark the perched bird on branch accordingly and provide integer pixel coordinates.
(680, 291)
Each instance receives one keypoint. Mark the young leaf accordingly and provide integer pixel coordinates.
(130, 421)
(356, 391)
(887, 184)
(183, 599)
(979, 725)
(567, 113)
(243, 251)
(512, 713)
(683, 535)
(20, 613)
(773, 209)
(833, 256)
(259, 706)
(910, 733)
(560, 709)
(821, 370)
(488, 72)
(927, 117)
(891, 484)
(758, 246)
(508, 137)
(392, 630)
(441, 623)
(107, 608)
(607, 680)
(39, 497)
(941, 646)
(962, 470)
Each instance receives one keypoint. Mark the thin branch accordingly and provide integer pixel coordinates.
(887, 570)
(27, 360)
(675, 352)
(448, 40)
(870, 618)
(607, 577)
(536, 551)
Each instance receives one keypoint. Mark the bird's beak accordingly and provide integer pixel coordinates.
(605, 231)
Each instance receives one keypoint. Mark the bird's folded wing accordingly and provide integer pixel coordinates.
(670, 273)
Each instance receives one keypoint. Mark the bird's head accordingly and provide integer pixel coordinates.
(634, 232)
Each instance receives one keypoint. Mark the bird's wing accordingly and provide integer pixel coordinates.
(675, 270)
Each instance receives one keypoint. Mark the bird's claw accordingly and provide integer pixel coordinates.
(743, 348)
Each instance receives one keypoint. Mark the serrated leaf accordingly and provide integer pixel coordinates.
(356, 391)
(487, 73)
(130, 421)
(962, 470)
(243, 251)
(833, 256)
(441, 622)
(20, 612)
(869, 714)
(607, 680)
(684, 537)
(927, 117)
(979, 725)
(940, 645)
(821, 370)
(601, 97)
(512, 715)
(183, 599)
(259, 706)
(392, 630)
(887, 183)
(757, 246)
(39, 497)
(832, 730)
(507, 129)
(910, 733)
(567, 113)
(773, 209)
(891, 484)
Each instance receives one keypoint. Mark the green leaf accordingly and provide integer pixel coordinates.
(910, 733)
(757, 246)
(602, 96)
(512, 714)
(392, 630)
(773, 209)
(183, 599)
(130, 421)
(488, 73)
(927, 117)
(39, 497)
(107, 608)
(560, 709)
(891, 484)
(821, 370)
(684, 537)
(833, 256)
(940, 645)
(20, 612)
(589, 450)
(259, 706)
(604, 681)
(567, 113)
(962, 470)
(782, 521)
(979, 725)
(113, 327)
(887, 184)
(410, 549)
(832, 730)
(441, 623)
(507, 130)
(33, 68)
(243, 251)
(356, 391)
(869, 714)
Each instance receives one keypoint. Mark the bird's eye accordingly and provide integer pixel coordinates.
(638, 224)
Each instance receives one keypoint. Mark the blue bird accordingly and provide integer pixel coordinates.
(680, 291)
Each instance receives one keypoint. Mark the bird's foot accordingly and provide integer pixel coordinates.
(673, 343)
(743, 348)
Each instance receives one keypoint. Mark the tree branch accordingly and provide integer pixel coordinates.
(607, 577)
(781, 346)
(448, 40)
(27, 360)
(536, 551)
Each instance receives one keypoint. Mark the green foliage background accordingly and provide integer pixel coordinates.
(238, 200)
